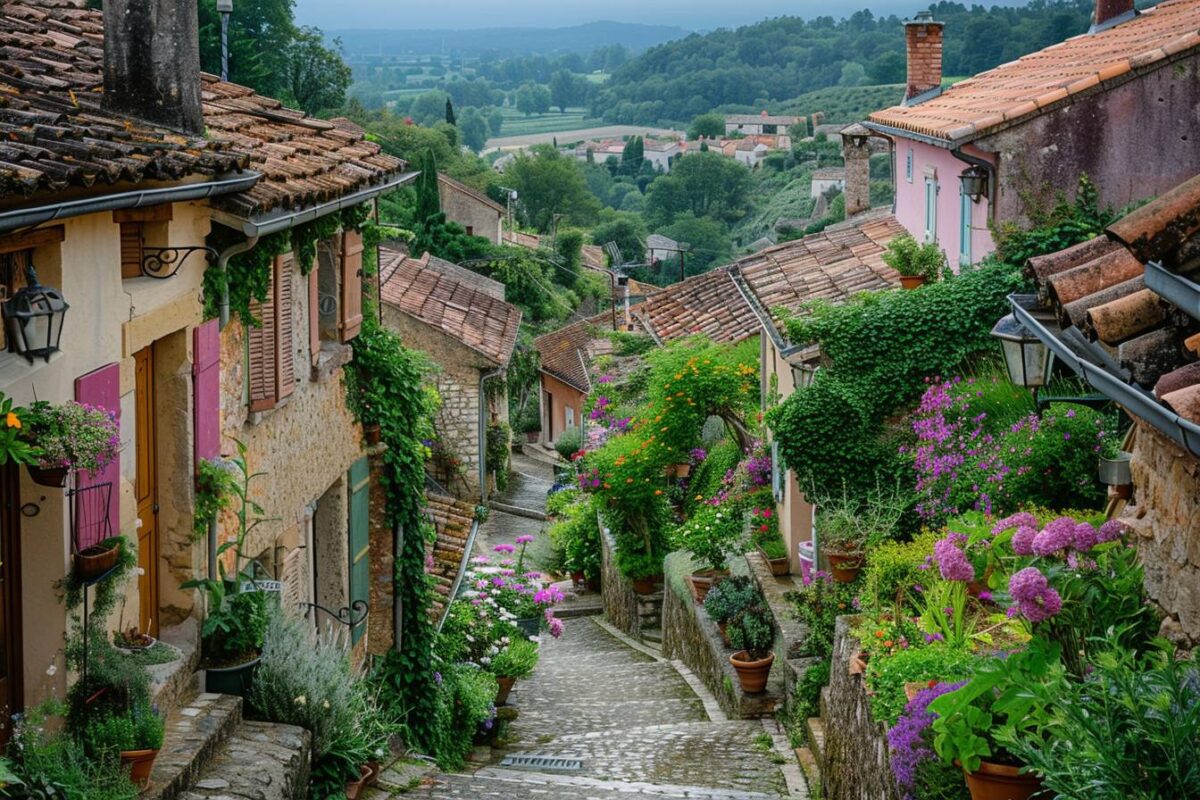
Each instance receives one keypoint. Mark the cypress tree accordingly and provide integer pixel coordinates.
(450, 112)
(428, 199)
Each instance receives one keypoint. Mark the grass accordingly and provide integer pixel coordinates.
(518, 124)
(845, 103)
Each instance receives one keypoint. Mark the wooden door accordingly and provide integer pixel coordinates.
(360, 541)
(11, 694)
(147, 491)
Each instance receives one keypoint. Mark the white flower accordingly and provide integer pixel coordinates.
(485, 661)
(301, 700)
(141, 571)
(52, 670)
(325, 704)
(470, 638)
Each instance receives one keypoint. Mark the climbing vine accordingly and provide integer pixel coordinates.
(214, 494)
(248, 274)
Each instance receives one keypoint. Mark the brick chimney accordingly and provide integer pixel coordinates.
(923, 42)
(152, 62)
(856, 152)
(1111, 12)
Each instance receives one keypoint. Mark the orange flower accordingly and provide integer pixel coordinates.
(888, 643)
(657, 492)
(13, 421)
(878, 634)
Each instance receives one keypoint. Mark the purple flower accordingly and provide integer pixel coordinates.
(504, 548)
(1036, 600)
(1057, 535)
(698, 454)
(951, 560)
(908, 739)
(524, 538)
(1086, 537)
(1022, 540)
(605, 379)
(556, 627)
(1022, 519)
(437, 678)
(934, 637)
(985, 596)
(1112, 530)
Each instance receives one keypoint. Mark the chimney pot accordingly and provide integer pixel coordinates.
(1111, 12)
(152, 62)
(856, 152)
(923, 43)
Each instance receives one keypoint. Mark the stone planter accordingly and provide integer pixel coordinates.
(140, 763)
(753, 674)
(779, 566)
(1001, 782)
(144, 643)
(845, 566)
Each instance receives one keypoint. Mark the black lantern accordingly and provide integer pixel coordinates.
(1028, 359)
(33, 318)
(803, 374)
(974, 182)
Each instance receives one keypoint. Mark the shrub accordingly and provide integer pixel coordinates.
(707, 476)
(712, 534)
(886, 676)
(753, 631)
(54, 765)
(517, 660)
(910, 258)
(893, 568)
(818, 605)
(462, 705)
(730, 597)
(569, 442)
(576, 536)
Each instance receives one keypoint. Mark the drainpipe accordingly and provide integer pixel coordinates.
(975, 161)
(223, 265)
(484, 378)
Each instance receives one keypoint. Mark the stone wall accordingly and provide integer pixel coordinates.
(477, 217)
(1166, 518)
(691, 636)
(855, 761)
(383, 556)
(620, 601)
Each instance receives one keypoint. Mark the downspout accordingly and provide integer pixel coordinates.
(223, 265)
(975, 161)
(484, 378)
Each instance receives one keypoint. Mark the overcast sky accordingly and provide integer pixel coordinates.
(457, 14)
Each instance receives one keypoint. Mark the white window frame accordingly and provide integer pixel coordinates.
(966, 209)
(568, 417)
(931, 192)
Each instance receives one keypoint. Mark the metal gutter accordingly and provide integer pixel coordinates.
(1176, 288)
(462, 572)
(264, 226)
(484, 377)
(30, 217)
(764, 318)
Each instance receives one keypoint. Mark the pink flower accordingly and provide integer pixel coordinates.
(524, 539)
(1112, 530)
(1057, 535)
(952, 562)
(504, 548)
(1036, 601)
(1018, 520)
(1022, 540)
(1086, 537)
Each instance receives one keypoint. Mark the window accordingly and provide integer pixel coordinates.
(140, 228)
(271, 353)
(964, 228)
(470, 230)
(908, 165)
(931, 189)
(339, 287)
(570, 416)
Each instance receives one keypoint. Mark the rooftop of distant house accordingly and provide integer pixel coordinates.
(760, 119)
(480, 321)
(1039, 82)
(474, 194)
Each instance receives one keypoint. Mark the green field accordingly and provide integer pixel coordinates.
(844, 103)
(517, 124)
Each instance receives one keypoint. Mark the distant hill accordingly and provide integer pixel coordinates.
(505, 42)
(843, 103)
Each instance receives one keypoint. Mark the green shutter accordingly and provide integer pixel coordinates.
(360, 538)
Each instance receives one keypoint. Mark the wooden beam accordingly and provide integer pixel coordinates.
(39, 237)
(159, 213)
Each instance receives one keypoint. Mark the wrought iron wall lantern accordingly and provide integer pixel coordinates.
(33, 318)
(1027, 358)
(164, 262)
(974, 182)
(804, 373)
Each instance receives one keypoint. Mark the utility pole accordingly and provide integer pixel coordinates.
(225, 8)
(510, 195)
(554, 231)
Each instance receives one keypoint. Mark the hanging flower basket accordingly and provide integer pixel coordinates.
(55, 477)
(94, 561)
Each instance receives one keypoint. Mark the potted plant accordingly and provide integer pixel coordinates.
(916, 263)
(97, 559)
(1007, 699)
(14, 446)
(752, 634)
(728, 600)
(848, 528)
(529, 422)
(768, 541)
(515, 660)
(710, 535)
(643, 569)
(70, 437)
(238, 612)
(132, 640)
(1114, 469)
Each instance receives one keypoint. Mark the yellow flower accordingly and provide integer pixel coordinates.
(13, 421)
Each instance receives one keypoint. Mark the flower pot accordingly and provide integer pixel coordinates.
(779, 566)
(355, 787)
(140, 764)
(145, 643)
(48, 476)
(752, 674)
(1115, 471)
(529, 626)
(845, 566)
(234, 680)
(95, 560)
(505, 684)
(372, 432)
(647, 585)
(912, 281)
(1001, 782)
(532, 436)
(683, 470)
(375, 769)
(703, 581)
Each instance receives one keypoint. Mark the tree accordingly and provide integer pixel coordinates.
(709, 240)
(625, 229)
(259, 34)
(428, 108)
(566, 90)
(533, 98)
(315, 77)
(568, 246)
(450, 112)
(853, 74)
(473, 129)
(707, 184)
(495, 121)
(707, 126)
(429, 202)
(633, 155)
(549, 183)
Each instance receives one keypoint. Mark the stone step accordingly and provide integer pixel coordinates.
(517, 511)
(260, 760)
(814, 733)
(194, 733)
(652, 635)
(500, 784)
(810, 769)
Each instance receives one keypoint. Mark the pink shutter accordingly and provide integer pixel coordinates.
(100, 388)
(206, 389)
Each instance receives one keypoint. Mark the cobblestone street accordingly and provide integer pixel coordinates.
(630, 716)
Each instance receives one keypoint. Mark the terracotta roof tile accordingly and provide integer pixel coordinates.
(475, 318)
(563, 353)
(54, 133)
(1158, 229)
(1037, 81)
(453, 520)
(708, 304)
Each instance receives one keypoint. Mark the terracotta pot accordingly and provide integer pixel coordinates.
(375, 768)
(752, 674)
(506, 685)
(912, 281)
(372, 432)
(858, 664)
(56, 476)
(779, 566)
(683, 470)
(95, 560)
(702, 582)
(140, 764)
(845, 566)
(647, 585)
(354, 788)
(1001, 782)
(723, 627)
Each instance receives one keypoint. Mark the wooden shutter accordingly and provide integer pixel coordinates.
(351, 306)
(260, 341)
(314, 315)
(359, 538)
(100, 388)
(285, 348)
(206, 389)
(131, 250)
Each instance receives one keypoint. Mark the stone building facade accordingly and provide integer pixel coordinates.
(475, 211)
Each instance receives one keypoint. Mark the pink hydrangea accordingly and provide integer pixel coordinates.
(1022, 540)
(1055, 537)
